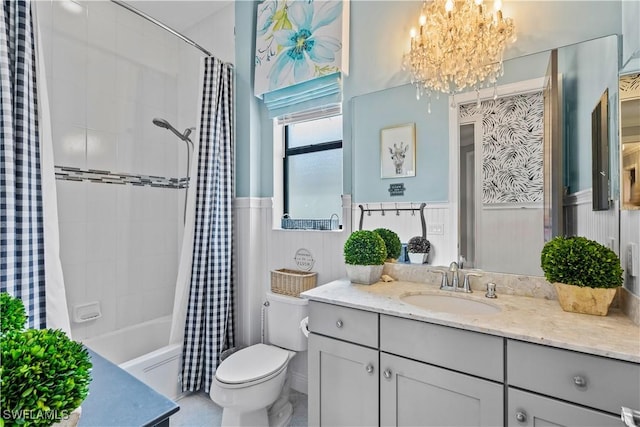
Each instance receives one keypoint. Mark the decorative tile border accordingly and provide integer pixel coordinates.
(67, 173)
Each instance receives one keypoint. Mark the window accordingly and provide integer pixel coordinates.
(312, 169)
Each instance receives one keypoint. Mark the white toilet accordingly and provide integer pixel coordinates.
(250, 385)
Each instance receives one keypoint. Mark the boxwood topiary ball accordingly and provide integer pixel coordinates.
(12, 313)
(391, 241)
(581, 262)
(365, 247)
(44, 376)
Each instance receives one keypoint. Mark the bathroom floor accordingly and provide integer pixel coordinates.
(198, 410)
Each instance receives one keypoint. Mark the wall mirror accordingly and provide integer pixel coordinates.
(586, 70)
(630, 141)
(504, 193)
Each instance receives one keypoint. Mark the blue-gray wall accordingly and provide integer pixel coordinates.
(378, 38)
(391, 107)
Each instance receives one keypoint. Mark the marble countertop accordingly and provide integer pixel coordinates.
(535, 320)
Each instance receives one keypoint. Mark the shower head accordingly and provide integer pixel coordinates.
(166, 125)
(162, 123)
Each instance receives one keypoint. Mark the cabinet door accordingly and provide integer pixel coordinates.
(417, 394)
(343, 383)
(528, 409)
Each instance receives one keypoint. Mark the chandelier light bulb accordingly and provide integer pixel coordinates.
(497, 5)
(448, 6)
(422, 20)
(413, 33)
(478, 2)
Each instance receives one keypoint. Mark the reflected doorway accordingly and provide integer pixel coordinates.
(468, 189)
(500, 185)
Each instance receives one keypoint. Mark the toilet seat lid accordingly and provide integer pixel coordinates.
(251, 363)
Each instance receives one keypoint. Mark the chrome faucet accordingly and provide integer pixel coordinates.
(444, 284)
(455, 279)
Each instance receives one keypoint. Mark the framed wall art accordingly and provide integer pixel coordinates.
(398, 151)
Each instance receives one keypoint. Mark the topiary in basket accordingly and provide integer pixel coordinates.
(418, 248)
(44, 376)
(391, 242)
(585, 273)
(13, 316)
(364, 255)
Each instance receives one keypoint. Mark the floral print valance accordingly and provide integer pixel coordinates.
(298, 41)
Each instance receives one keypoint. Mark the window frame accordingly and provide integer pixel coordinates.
(306, 149)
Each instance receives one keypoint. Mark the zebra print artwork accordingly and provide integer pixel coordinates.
(630, 85)
(512, 131)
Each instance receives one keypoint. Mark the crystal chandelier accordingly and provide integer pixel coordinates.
(459, 45)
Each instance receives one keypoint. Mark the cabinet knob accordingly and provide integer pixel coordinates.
(521, 416)
(339, 323)
(387, 373)
(369, 368)
(580, 381)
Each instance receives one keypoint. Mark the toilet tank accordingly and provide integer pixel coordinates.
(283, 316)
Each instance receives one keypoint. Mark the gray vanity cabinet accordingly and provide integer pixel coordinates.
(364, 371)
(563, 387)
(343, 366)
(531, 410)
(433, 375)
(418, 394)
(343, 383)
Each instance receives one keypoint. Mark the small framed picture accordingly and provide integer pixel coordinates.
(398, 151)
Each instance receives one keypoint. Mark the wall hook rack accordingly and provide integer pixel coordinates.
(382, 210)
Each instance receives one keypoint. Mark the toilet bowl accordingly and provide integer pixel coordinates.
(248, 382)
(251, 384)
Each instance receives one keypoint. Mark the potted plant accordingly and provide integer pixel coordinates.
(364, 255)
(44, 374)
(12, 313)
(418, 248)
(391, 242)
(585, 273)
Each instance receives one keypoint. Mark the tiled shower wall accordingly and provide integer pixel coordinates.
(109, 73)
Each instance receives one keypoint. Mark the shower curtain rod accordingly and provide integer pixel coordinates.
(163, 26)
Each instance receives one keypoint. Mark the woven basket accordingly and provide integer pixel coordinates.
(292, 282)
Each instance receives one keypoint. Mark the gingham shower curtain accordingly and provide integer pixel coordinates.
(22, 263)
(209, 318)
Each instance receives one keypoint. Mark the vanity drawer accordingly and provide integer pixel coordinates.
(594, 381)
(464, 351)
(348, 324)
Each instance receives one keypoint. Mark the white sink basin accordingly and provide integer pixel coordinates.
(449, 304)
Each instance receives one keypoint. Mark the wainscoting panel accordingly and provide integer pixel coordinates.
(406, 225)
(630, 233)
(582, 220)
(513, 237)
(251, 249)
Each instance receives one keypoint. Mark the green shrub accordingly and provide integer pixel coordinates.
(365, 247)
(391, 241)
(418, 245)
(581, 262)
(12, 313)
(44, 376)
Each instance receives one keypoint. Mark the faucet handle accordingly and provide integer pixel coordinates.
(444, 283)
(491, 290)
(466, 286)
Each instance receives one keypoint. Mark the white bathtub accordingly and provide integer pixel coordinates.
(143, 350)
